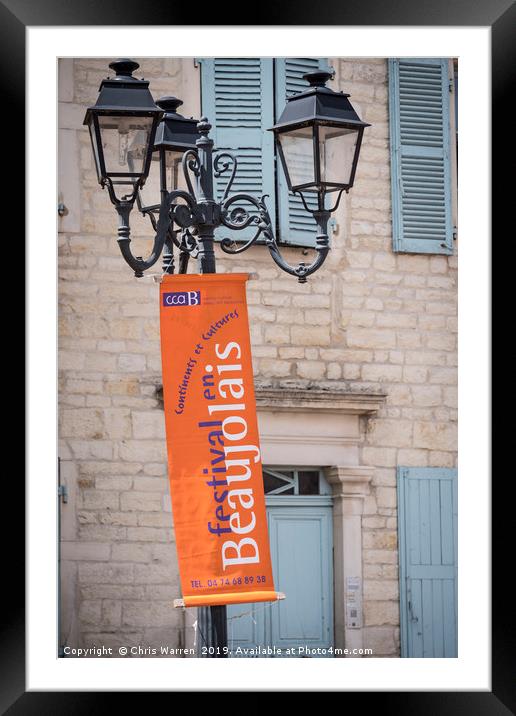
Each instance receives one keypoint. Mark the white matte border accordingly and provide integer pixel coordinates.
(471, 671)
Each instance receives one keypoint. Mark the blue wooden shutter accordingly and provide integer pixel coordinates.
(427, 518)
(296, 226)
(419, 104)
(237, 97)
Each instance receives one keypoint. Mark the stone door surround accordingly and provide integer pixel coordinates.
(325, 428)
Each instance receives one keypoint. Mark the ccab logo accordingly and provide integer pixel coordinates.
(182, 298)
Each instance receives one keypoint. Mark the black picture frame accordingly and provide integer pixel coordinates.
(500, 16)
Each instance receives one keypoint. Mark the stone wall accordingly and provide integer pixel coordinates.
(369, 320)
(118, 561)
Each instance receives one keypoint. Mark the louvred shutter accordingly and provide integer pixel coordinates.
(420, 156)
(296, 225)
(237, 99)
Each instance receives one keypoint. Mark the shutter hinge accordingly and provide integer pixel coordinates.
(450, 84)
(454, 233)
(63, 493)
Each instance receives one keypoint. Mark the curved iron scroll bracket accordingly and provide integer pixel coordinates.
(190, 163)
(169, 213)
(233, 214)
(221, 168)
(240, 218)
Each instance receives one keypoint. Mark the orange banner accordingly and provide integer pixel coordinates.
(215, 469)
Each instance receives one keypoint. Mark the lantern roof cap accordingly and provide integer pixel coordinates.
(169, 104)
(174, 130)
(318, 104)
(124, 69)
(124, 94)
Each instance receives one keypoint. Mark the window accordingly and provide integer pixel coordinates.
(294, 481)
(242, 97)
(419, 105)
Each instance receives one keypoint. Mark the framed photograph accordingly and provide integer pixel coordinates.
(336, 189)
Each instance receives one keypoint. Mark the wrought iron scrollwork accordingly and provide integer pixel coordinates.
(220, 167)
(187, 219)
(239, 218)
(167, 215)
(190, 163)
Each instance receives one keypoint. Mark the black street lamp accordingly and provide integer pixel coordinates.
(174, 135)
(122, 126)
(318, 136)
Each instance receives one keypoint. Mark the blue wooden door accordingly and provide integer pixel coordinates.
(300, 533)
(427, 510)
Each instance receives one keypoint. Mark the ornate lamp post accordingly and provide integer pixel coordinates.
(318, 137)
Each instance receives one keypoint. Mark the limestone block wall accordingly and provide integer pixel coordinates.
(119, 569)
(370, 320)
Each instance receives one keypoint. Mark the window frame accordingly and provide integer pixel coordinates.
(324, 487)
